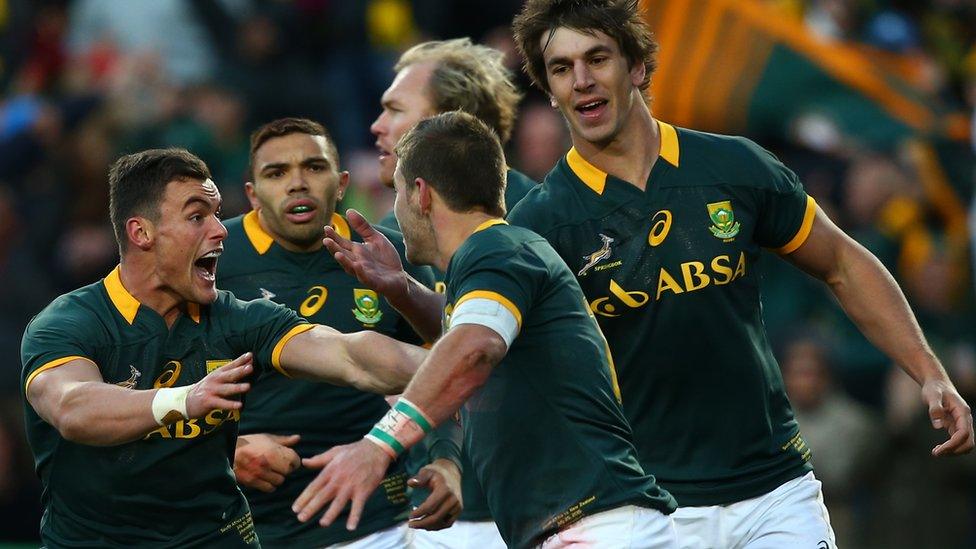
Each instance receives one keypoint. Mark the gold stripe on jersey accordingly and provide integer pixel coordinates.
(124, 302)
(54, 364)
(276, 352)
(493, 296)
(804, 231)
(596, 179)
(490, 223)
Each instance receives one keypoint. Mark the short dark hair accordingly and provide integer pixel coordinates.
(618, 19)
(138, 181)
(460, 157)
(287, 126)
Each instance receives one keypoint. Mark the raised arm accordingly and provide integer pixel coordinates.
(376, 263)
(458, 364)
(75, 399)
(873, 300)
(365, 360)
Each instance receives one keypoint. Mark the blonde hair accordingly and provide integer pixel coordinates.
(471, 78)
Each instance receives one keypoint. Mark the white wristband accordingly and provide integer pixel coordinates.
(169, 404)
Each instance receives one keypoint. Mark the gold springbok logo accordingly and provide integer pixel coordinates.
(597, 256)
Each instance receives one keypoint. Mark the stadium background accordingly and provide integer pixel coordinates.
(870, 101)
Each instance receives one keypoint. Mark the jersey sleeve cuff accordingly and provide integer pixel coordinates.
(276, 352)
(804, 231)
(53, 364)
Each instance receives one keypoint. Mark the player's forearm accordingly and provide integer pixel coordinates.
(456, 368)
(875, 303)
(382, 364)
(421, 306)
(101, 414)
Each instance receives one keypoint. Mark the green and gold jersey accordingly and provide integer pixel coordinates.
(253, 266)
(517, 185)
(671, 274)
(546, 434)
(174, 487)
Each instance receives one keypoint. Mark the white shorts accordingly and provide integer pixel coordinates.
(394, 537)
(463, 534)
(628, 527)
(792, 515)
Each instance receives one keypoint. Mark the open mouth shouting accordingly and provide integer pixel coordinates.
(206, 265)
(300, 211)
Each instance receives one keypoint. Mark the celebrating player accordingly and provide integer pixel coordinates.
(133, 384)
(663, 227)
(521, 352)
(275, 252)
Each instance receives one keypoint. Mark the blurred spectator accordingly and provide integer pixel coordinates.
(540, 140)
(845, 437)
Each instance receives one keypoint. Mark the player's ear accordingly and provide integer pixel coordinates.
(424, 195)
(343, 184)
(252, 196)
(637, 73)
(140, 232)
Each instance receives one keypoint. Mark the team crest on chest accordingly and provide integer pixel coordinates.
(592, 259)
(367, 308)
(724, 225)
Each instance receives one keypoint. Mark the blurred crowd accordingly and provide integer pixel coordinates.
(82, 81)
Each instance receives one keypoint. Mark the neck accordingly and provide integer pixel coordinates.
(630, 154)
(452, 229)
(140, 279)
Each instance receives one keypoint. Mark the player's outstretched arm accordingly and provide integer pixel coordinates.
(76, 400)
(365, 360)
(262, 460)
(459, 363)
(376, 263)
(873, 300)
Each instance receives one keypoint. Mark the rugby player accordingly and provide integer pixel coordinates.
(133, 384)
(275, 252)
(520, 352)
(663, 227)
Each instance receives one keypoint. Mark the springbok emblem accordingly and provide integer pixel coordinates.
(597, 256)
(133, 379)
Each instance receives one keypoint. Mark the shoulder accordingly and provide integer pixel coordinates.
(731, 160)
(497, 246)
(77, 314)
(517, 184)
(549, 204)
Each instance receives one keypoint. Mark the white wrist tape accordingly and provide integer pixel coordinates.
(169, 404)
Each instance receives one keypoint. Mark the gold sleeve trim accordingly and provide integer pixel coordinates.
(804, 231)
(51, 365)
(276, 352)
(496, 297)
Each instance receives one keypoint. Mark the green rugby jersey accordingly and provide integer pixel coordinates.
(545, 433)
(175, 486)
(671, 274)
(517, 185)
(253, 266)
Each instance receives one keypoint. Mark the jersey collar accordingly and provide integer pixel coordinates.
(490, 223)
(127, 305)
(262, 241)
(596, 179)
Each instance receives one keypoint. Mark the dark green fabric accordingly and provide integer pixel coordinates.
(545, 434)
(175, 487)
(700, 385)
